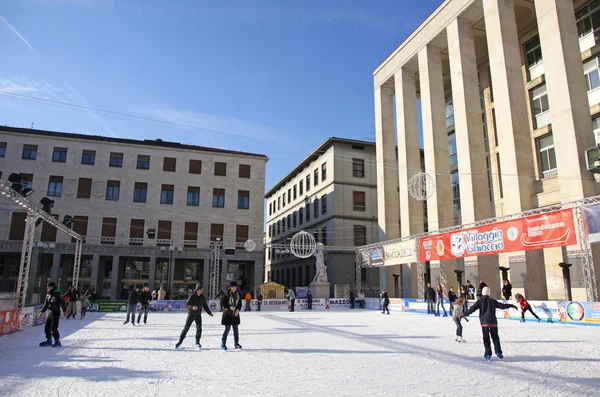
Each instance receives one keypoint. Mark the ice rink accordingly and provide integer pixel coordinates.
(319, 353)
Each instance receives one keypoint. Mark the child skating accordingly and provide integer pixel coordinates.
(457, 316)
(489, 322)
(525, 306)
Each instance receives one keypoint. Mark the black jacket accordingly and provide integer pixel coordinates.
(228, 315)
(507, 291)
(54, 302)
(199, 302)
(451, 296)
(73, 294)
(309, 298)
(134, 297)
(487, 310)
(480, 289)
(430, 294)
(144, 297)
(386, 298)
(124, 294)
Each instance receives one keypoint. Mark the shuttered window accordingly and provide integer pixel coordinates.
(241, 233)
(84, 188)
(169, 164)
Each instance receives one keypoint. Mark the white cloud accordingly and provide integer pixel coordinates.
(15, 31)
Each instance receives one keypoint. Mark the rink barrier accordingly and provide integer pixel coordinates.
(578, 313)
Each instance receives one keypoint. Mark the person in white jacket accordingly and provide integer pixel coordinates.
(292, 297)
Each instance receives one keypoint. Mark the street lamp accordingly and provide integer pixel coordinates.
(169, 270)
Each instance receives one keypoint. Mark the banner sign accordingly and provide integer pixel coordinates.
(301, 292)
(399, 253)
(552, 229)
(372, 257)
(592, 218)
(9, 322)
(579, 312)
(107, 306)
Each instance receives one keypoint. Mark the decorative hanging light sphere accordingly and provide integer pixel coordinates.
(421, 186)
(303, 245)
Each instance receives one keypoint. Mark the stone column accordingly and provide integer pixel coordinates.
(387, 174)
(115, 285)
(152, 272)
(435, 141)
(95, 270)
(55, 267)
(470, 147)
(512, 121)
(409, 161)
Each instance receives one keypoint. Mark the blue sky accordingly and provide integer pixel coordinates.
(274, 77)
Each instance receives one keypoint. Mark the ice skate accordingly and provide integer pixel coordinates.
(488, 358)
(47, 342)
(224, 348)
(522, 320)
(461, 340)
(539, 320)
(500, 356)
(238, 346)
(57, 343)
(198, 345)
(177, 345)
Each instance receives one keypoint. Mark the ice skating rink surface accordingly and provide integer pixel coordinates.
(320, 353)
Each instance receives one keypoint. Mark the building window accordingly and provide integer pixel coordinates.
(596, 129)
(195, 166)
(489, 177)
(220, 169)
(143, 162)
(358, 168)
(164, 231)
(360, 235)
(29, 152)
(190, 233)
(449, 112)
(113, 188)
(533, 52)
(270, 208)
(358, 201)
(166, 194)
(88, 157)
(540, 106)
(592, 76)
(316, 208)
(243, 199)
(80, 225)
(116, 160)
(270, 231)
(316, 173)
(324, 235)
(494, 125)
(295, 192)
(455, 191)
(294, 220)
(2, 149)
(307, 183)
(501, 189)
(284, 199)
(301, 216)
(452, 148)
(193, 196)
(218, 198)
(59, 155)
(289, 222)
(289, 195)
(324, 204)
(109, 230)
(84, 188)
(169, 164)
(244, 171)
(49, 231)
(323, 171)
(216, 232)
(547, 157)
(27, 180)
(307, 212)
(140, 191)
(136, 232)
(490, 85)
(588, 19)
(55, 186)
(301, 188)
(279, 203)
(241, 233)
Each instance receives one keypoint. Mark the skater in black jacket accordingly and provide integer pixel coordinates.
(489, 323)
(54, 302)
(231, 303)
(144, 298)
(132, 304)
(194, 306)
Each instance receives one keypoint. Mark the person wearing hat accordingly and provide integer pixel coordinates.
(194, 306)
(144, 298)
(54, 302)
(231, 302)
(489, 323)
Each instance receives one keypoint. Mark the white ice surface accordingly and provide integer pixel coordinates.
(333, 353)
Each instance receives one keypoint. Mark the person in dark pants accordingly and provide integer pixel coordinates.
(489, 323)
(430, 299)
(351, 296)
(194, 306)
(71, 297)
(385, 302)
(124, 294)
(482, 285)
(260, 299)
(231, 302)
(452, 299)
(132, 304)
(507, 290)
(309, 299)
(292, 297)
(54, 302)
(525, 306)
(144, 298)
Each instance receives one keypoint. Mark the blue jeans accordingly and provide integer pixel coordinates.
(236, 334)
(459, 327)
(440, 302)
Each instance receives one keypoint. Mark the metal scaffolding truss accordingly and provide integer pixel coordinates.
(34, 212)
(215, 269)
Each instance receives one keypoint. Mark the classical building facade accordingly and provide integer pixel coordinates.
(510, 98)
(133, 200)
(332, 195)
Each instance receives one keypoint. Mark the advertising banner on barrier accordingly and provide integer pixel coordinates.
(9, 322)
(317, 304)
(399, 253)
(579, 312)
(552, 229)
(592, 218)
(301, 292)
(107, 306)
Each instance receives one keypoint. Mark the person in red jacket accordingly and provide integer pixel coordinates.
(525, 306)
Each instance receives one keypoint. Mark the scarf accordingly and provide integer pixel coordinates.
(233, 298)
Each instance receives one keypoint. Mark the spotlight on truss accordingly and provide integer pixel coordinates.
(47, 205)
(68, 221)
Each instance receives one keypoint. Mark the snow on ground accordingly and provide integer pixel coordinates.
(333, 353)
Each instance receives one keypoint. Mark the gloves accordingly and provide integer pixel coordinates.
(514, 307)
(466, 319)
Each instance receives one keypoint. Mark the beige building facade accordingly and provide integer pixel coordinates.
(331, 194)
(510, 99)
(133, 200)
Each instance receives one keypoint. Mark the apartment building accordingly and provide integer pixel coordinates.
(331, 194)
(147, 209)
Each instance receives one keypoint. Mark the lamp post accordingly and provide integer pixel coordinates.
(169, 268)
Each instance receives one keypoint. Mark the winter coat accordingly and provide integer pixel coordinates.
(351, 295)
(507, 291)
(430, 294)
(228, 300)
(458, 312)
(248, 296)
(452, 296)
(145, 297)
(291, 295)
(124, 294)
(73, 294)
(523, 303)
(161, 294)
(385, 298)
(487, 310)
(133, 297)
(471, 291)
(260, 297)
(55, 302)
(309, 298)
(199, 302)
(440, 295)
(480, 289)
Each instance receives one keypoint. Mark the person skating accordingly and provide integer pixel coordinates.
(144, 298)
(194, 306)
(430, 298)
(71, 297)
(385, 302)
(260, 299)
(525, 306)
(132, 304)
(161, 293)
(351, 297)
(124, 294)
(489, 323)
(482, 285)
(457, 316)
(452, 299)
(309, 299)
(440, 301)
(54, 303)
(231, 302)
(85, 302)
(507, 290)
(470, 290)
(248, 299)
(292, 297)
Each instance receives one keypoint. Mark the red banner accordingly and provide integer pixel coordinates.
(553, 229)
(9, 322)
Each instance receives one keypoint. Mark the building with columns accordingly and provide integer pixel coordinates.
(133, 200)
(331, 194)
(501, 84)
